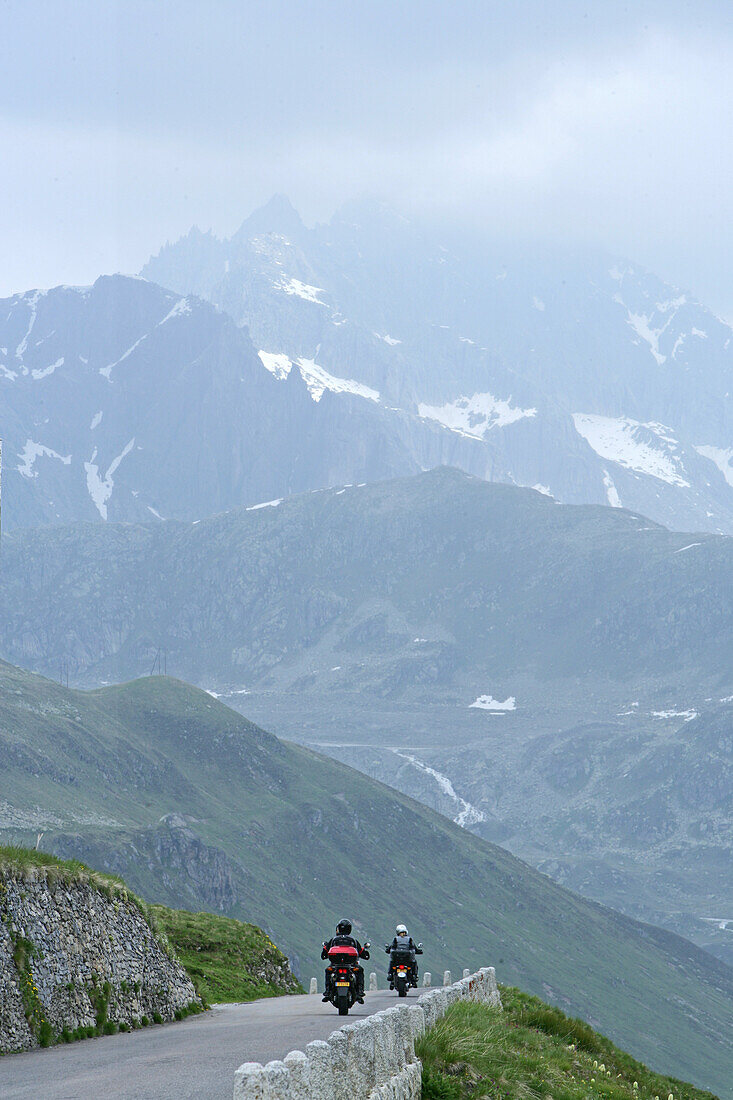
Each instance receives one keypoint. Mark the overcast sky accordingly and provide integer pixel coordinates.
(123, 122)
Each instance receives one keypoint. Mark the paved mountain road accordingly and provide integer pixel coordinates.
(193, 1060)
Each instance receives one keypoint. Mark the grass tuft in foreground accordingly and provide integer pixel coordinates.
(226, 959)
(533, 1051)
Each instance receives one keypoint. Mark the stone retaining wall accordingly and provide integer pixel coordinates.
(371, 1059)
(72, 957)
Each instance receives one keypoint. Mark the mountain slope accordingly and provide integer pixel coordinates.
(420, 587)
(530, 669)
(574, 371)
(289, 839)
(123, 401)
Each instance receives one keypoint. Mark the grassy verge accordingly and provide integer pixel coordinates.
(533, 1051)
(226, 959)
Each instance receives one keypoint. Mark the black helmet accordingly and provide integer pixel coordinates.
(343, 928)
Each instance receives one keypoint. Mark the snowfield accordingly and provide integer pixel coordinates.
(475, 416)
(279, 365)
(101, 488)
(300, 290)
(46, 371)
(316, 377)
(487, 702)
(31, 452)
(318, 380)
(645, 448)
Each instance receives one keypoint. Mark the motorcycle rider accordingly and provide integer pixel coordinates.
(343, 938)
(403, 941)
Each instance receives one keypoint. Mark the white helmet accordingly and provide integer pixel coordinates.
(401, 930)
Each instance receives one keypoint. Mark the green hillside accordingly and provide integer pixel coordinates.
(227, 960)
(532, 1050)
(376, 617)
(199, 809)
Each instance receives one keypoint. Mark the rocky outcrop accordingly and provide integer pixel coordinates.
(77, 956)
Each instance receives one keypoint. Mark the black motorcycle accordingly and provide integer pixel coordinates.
(404, 970)
(343, 963)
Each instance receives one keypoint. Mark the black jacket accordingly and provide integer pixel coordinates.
(409, 946)
(344, 941)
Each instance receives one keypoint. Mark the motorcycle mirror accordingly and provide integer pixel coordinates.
(367, 944)
(419, 945)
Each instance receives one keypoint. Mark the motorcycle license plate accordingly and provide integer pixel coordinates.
(343, 983)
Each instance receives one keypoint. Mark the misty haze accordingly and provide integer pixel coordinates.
(366, 412)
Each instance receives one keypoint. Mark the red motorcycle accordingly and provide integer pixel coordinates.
(344, 978)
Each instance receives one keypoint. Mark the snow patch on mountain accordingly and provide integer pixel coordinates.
(44, 373)
(688, 715)
(32, 299)
(391, 340)
(475, 416)
(300, 290)
(723, 459)
(180, 309)
(640, 324)
(644, 448)
(316, 377)
(279, 365)
(107, 371)
(100, 488)
(31, 452)
(318, 380)
(487, 702)
(96, 421)
(611, 493)
(8, 374)
(265, 504)
(467, 814)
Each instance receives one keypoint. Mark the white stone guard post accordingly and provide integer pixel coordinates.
(370, 1059)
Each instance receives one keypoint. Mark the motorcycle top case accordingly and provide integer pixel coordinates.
(401, 955)
(343, 954)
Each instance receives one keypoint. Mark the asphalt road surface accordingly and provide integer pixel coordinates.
(193, 1059)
